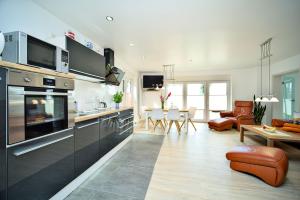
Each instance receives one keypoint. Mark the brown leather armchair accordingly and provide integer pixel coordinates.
(242, 114)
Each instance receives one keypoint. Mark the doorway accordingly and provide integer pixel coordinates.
(288, 98)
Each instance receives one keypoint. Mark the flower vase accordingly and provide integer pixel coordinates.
(117, 105)
(162, 105)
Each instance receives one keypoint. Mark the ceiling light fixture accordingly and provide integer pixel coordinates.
(109, 18)
(266, 54)
(131, 44)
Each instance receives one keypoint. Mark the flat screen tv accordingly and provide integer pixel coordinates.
(85, 61)
(153, 81)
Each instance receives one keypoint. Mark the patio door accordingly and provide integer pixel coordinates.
(218, 98)
(288, 97)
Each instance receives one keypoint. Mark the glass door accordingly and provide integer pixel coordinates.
(288, 97)
(195, 97)
(218, 99)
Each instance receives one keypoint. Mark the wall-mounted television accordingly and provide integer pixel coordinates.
(153, 81)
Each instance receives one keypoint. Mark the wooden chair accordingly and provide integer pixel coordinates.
(174, 116)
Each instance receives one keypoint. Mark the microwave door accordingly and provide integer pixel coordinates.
(40, 53)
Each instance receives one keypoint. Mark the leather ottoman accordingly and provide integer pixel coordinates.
(220, 124)
(268, 163)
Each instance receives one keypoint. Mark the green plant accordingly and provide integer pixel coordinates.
(117, 98)
(258, 111)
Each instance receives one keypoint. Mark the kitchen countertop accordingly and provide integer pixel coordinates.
(35, 69)
(99, 114)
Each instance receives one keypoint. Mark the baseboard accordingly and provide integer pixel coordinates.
(63, 193)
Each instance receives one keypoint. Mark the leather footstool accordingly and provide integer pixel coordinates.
(220, 124)
(268, 163)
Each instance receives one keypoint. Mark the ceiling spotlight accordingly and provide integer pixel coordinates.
(131, 44)
(109, 18)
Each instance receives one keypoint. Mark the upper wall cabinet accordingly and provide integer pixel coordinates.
(85, 61)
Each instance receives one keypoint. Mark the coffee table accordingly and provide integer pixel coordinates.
(279, 135)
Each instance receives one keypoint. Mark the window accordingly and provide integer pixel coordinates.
(218, 99)
(209, 98)
(196, 98)
(176, 99)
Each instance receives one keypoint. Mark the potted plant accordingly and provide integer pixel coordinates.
(117, 98)
(163, 99)
(258, 111)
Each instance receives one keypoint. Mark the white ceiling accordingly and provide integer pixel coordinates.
(192, 34)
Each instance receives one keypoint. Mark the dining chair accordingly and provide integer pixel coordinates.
(174, 116)
(158, 115)
(150, 119)
(191, 115)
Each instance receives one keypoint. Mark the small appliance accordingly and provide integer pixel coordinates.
(27, 50)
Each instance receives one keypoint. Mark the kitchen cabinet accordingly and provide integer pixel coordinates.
(86, 144)
(40, 168)
(125, 125)
(108, 133)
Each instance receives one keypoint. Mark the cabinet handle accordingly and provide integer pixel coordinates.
(125, 130)
(110, 117)
(122, 120)
(126, 124)
(27, 150)
(80, 127)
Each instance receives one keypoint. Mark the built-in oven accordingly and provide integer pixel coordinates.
(38, 105)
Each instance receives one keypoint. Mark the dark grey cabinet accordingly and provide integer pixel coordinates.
(108, 132)
(38, 169)
(125, 125)
(86, 144)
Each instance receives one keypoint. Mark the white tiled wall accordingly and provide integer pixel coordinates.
(87, 94)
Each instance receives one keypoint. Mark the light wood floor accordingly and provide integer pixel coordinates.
(193, 166)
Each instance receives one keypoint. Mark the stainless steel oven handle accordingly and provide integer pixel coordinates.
(28, 150)
(45, 93)
(80, 127)
(40, 93)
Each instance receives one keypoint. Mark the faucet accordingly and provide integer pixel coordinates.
(103, 104)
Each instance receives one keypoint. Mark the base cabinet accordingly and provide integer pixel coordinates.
(39, 169)
(86, 145)
(108, 131)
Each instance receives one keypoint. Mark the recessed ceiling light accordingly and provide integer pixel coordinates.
(131, 44)
(109, 18)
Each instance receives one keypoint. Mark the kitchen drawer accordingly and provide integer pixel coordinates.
(86, 144)
(40, 168)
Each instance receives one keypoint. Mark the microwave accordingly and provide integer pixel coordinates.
(27, 50)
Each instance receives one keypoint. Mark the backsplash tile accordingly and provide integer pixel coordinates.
(88, 94)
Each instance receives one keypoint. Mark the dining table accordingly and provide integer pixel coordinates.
(184, 112)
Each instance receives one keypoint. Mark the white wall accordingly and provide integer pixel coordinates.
(26, 16)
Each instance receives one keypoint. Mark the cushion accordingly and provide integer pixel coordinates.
(291, 129)
(220, 122)
(291, 125)
(258, 155)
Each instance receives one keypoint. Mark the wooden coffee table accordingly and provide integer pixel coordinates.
(279, 135)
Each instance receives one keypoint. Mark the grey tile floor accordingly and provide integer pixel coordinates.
(126, 175)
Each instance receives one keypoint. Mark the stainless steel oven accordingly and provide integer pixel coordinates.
(38, 105)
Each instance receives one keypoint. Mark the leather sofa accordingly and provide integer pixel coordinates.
(241, 114)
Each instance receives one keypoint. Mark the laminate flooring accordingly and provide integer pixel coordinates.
(193, 167)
